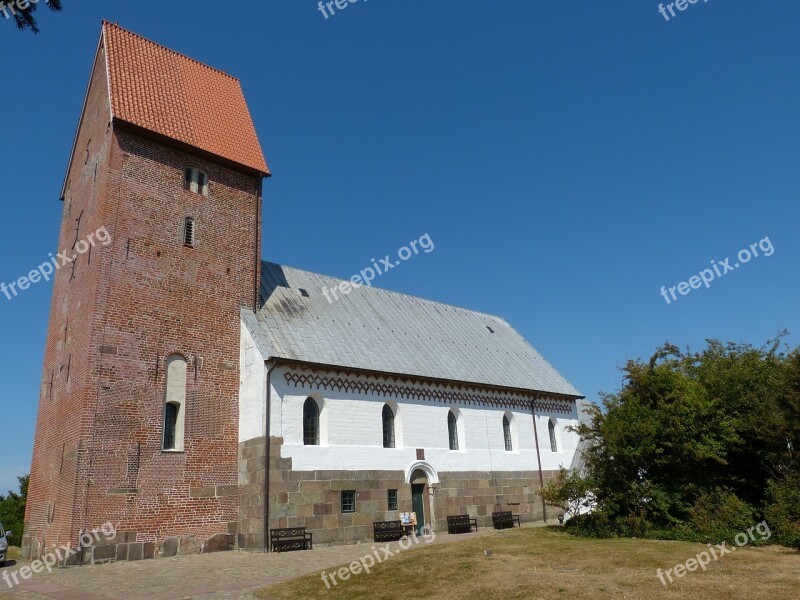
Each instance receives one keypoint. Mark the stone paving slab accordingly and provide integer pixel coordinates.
(220, 576)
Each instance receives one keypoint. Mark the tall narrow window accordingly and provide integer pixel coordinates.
(175, 403)
(189, 232)
(507, 434)
(452, 430)
(553, 443)
(392, 499)
(195, 181)
(311, 423)
(388, 427)
(171, 411)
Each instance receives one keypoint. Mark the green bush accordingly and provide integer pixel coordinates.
(634, 525)
(683, 532)
(12, 511)
(782, 511)
(593, 524)
(720, 514)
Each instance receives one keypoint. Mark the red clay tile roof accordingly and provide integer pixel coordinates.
(173, 95)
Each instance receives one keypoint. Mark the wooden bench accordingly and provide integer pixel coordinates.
(293, 538)
(504, 519)
(388, 531)
(461, 524)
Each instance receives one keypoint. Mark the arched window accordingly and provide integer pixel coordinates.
(175, 403)
(507, 434)
(195, 181)
(311, 422)
(388, 427)
(553, 443)
(452, 429)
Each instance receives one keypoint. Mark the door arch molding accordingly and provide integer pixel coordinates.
(425, 467)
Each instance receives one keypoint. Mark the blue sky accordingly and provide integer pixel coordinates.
(567, 158)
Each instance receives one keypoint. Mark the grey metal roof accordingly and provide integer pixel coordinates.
(379, 330)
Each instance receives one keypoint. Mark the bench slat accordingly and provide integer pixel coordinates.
(291, 538)
(388, 531)
(500, 519)
(461, 524)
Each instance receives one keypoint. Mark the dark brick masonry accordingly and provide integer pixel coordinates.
(115, 318)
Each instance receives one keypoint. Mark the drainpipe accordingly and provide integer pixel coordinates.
(538, 458)
(266, 457)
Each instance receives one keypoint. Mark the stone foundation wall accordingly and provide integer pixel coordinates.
(251, 493)
(125, 547)
(480, 493)
(312, 499)
(122, 547)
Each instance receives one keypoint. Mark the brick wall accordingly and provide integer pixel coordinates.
(55, 509)
(127, 307)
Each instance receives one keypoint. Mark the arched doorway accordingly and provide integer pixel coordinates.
(421, 476)
(419, 498)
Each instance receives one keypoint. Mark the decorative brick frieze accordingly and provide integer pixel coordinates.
(395, 386)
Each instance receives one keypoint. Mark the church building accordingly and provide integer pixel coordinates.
(196, 396)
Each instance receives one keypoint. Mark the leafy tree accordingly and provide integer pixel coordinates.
(568, 491)
(689, 432)
(12, 510)
(22, 11)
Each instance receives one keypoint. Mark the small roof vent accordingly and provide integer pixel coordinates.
(304, 293)
(490, 329)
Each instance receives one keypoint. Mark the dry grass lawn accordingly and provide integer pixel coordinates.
(549, 563)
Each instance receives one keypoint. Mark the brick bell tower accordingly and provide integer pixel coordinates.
(138, 409)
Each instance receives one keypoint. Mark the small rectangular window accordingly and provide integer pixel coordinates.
(348, 501)
(392, 499)
(195, 181)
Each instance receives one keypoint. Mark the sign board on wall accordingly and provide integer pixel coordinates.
(408, 518)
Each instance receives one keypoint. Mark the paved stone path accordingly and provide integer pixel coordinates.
(221, 576)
